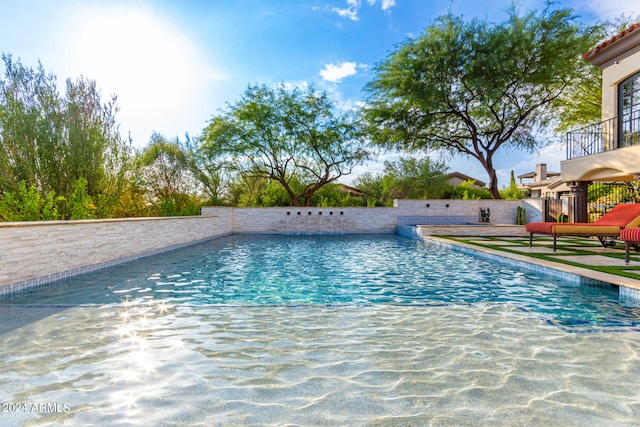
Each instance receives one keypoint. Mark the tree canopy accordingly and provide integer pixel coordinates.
(295, 137)
(581, 103)
(168, 176)
(59, 144)
(473, 87)
(406, 178)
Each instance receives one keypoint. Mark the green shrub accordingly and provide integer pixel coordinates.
(466, 191)
(27, 204)
(80, 203)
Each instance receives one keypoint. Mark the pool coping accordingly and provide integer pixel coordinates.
(584, 273)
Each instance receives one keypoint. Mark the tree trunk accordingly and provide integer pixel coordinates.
(307, 196)
(493, 177)
(307, 199)
(312, 189)
(493, 183)
(293, 198)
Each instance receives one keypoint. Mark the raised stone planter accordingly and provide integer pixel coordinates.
(472, 230)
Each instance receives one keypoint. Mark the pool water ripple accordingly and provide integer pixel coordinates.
(375, 330)
(334, 270)
(348, 365)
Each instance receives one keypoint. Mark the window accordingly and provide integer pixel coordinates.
(629, 111)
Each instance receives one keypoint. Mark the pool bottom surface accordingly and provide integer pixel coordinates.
(153, 363)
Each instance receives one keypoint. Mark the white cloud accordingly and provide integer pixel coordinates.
(341, 102)
(384, 4)
(289, 86)
(614, 9)
(350, 12)
(521, 161)
(335, 73)
(552, 155)
(353, 6)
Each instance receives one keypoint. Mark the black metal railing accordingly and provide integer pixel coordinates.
(590, 139)
(605, 195)
(610, 134)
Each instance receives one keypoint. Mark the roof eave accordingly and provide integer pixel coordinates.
(616, 50)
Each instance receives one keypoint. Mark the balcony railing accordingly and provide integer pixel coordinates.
(608, 135)
(590, 139)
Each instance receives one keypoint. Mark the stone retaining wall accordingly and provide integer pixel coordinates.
(472, 230)
(39, 252)
(35, 252)
(502, 211)
(301, 220)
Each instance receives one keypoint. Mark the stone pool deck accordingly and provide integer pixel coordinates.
(584, 257)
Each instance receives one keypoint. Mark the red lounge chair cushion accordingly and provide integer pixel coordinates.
(576, 228)
(579, 229)
(540, 227)
(622, 215)
(630, 234)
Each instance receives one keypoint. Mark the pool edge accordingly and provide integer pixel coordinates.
(629, 288)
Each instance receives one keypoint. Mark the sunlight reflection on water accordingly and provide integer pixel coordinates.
(307, 365)
(389, 332)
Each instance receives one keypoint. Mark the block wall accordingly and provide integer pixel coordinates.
(33, 250)
(301, 220)
(293, 220)
(502, 211)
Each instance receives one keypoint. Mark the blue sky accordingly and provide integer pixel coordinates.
(174, 64)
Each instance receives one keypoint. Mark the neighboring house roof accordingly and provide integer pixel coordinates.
(557, 183)
(464, 177)
(351, 190)
(533, 175)
(549, 183)
(614, 47)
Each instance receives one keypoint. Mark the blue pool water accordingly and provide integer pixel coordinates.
(338, 270)
(337, 330)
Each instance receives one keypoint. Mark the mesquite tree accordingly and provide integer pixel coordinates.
(294, 137)
(472, 87)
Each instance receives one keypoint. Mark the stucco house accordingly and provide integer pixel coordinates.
(457, 178)
(609, 150)
(542, 183)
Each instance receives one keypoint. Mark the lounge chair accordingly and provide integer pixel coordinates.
(630, 237)
(608, 225)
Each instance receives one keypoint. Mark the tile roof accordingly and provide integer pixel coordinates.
(612, 40)
(464, 177)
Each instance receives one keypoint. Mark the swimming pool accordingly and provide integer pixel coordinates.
(327, 330)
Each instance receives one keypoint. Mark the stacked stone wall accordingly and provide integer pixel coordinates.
(39, 252)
